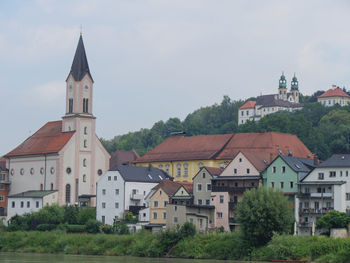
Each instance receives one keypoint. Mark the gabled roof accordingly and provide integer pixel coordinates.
(271, 101)
(181, 148)
(171, 187)
(337, 92)
(32, 194)
(298, 164)
(250, 104)
(213, 170)
(265, 142)
(122, 157)
(141, 174)
(80, 66)
(48, 139)
(259, 159)
(337, 160)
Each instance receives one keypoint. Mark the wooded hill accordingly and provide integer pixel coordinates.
(324, 130)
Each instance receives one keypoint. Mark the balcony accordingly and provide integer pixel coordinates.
(232, 205)
(231, 189)
(323, 210)
(4, 181)
(136, 196)
(315, 195)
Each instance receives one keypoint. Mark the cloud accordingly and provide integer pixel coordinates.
(49, 93)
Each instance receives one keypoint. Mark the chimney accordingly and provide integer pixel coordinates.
(149, 167)
(316, 160)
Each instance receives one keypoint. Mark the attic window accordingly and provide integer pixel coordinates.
(279, 150)
(297, 165)
(150, 177)
(161, 178)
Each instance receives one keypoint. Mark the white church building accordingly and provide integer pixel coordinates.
(64, 155)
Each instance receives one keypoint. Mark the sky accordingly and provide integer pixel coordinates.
(156, 59)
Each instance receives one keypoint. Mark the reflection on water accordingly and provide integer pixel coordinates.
(56, 258)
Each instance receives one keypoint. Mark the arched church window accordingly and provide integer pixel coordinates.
(21, 171)
(84, 162)
(85, 105)
(31, 171)
(85, 143)
(52, 170)
(51, 186)
(84, 178)
(67, 193)
(85, 130)
(42, 170)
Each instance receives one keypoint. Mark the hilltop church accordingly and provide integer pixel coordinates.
(64, 155)
(267, 104)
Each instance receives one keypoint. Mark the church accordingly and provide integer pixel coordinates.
(64, 155)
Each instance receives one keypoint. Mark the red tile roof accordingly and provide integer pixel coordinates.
(170, 187)
(250, 104)
(182, 148)
(259, 159)
(337, 92)
(265, 143)
(48, 139)
(122, 157)
(214, 170)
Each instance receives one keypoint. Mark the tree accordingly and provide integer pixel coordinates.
(333, 219)
(262, 212)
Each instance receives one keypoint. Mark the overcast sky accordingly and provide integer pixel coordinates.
(152, 60)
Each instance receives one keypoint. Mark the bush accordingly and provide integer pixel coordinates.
(121, 228)
(71, 214)
(85, 214)
(92, 226)
(46, 227)
(107, 229)
(75, 228)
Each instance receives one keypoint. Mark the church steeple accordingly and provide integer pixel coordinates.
(295, 83)
(80, 66)
(282, 88)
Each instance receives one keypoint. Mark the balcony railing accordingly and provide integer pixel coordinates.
(232, 205)
(231, 189)
(136, 196)
(315, 195)
(323, 210)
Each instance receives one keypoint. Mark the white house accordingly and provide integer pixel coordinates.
(124, 188)
(64, 155)
(325, 188)
(29, 202)
(334, 96)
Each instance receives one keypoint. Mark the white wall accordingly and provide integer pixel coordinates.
(241, 167)
(141, 188)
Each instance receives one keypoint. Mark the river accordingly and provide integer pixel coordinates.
(56, 258)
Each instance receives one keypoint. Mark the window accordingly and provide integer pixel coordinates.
(242, 113)
(1, 198)
(37, 204)
(219, 215)
(341, 173)
(178, 170)
(200, 201)
(52, 170)
(282, 185)
(68, 193)
(208, 187)
(191, 220)
(272, 185)
(347, 173)
(28, 204)
(240, 160)
(248, 170)
(85, 143)
(207, 201)
(155, 215)
(328, 204)
(103, 205)
(185, 170)
(167, 168)
(274, 169)
(84, 178)
(321, 176)
(175, 219)
(236, 184)
(199, 187)
(155, 203)
(31, 171)
(85, 105)
(51, 186)
(85, 130)
(165, 203)
(13, 204)
(317, 205)
(291, 184)
(332, 174)
(84, 162)
(252, 184)
(164, 215)
(104, 191)
(70, 105)
(235, 171)
(22, 204)
(103, 219)
(116, 191)
(203, 175)
(306, 204)
(307, 190)
(200, 222)
(115, 178)
(109, 178)
(221, 199)
(116, 205)
(348, 196)
(283, 169)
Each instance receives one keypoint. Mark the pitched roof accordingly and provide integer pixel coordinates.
(250, 104)
(271, 100)
(32, 194)
(337, 92)
(259, 159)
(337, 160)
(141, 174)
(80, 66)
(48, 139)
(180, 148)
(213, 170)
(122, 157)
(266, 142)
(170, 187)
(298, 164)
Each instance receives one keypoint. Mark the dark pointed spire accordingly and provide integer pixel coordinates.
(80, 65)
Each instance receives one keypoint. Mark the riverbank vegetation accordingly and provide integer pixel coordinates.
(178, 244)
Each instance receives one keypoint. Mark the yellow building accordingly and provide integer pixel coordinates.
(182, 157)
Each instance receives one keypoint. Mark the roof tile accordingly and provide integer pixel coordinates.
(337, 92)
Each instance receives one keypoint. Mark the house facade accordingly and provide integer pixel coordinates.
(325, 188)
(29, 202)
(334, 96)
(124, 189)
(64, 155)
(4, 188)
(268, 104)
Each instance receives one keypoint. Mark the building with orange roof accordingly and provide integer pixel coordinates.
(334, 96)
(64, 155)
(182, 156)
(267, 104)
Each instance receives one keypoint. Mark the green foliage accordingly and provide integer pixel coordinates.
(46, 227)
(263, 212)
(121, 228)
(92, 226)
(333, 219)
(107, 229)
(75, 228)
(71, 214)
(129, 217)
(86, 214)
